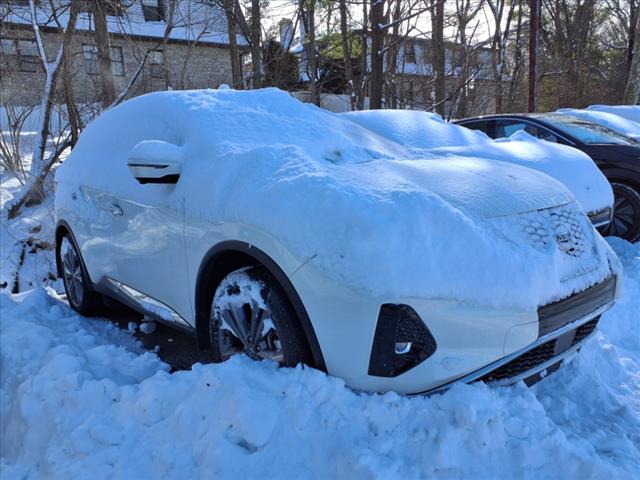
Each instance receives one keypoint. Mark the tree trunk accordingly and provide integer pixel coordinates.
(236, 72)
(346, 53)
(632, 91)
(439, 55)
(101, 34)
(376, 16)
(364, 60)
(256, 60)
(312, 59)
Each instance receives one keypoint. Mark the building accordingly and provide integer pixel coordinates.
(150, 46)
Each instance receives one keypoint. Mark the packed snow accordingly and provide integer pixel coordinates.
(607, 119)
(630, 112)
(264, 159)
(80, 399)
(428, 135)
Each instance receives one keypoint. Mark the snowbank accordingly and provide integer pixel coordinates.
(607, 119)
(263, 159)
(426, 134)
(80, 399)
(630, 112)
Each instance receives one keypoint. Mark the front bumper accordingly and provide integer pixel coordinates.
(564, 327)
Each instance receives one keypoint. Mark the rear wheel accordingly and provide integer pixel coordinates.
(626, 214)
(250, 315)
(80, 295)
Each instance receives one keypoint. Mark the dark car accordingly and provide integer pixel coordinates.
(617, 156)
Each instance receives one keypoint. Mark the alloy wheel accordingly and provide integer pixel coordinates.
(244, 327)
(72, 272)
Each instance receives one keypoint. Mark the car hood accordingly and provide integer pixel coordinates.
(485, 188)
(574, 169)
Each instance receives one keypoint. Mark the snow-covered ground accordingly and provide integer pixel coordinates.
(82, 398)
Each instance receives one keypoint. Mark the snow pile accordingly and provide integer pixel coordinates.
(79, 399)
(607, 119)
(426, 134)
(630, 112)
(263, 159)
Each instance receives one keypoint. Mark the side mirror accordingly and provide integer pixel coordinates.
(155, 161)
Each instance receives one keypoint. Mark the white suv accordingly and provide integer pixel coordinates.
(268, 227)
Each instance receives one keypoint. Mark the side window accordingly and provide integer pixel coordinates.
(506, 128)
(485, 126)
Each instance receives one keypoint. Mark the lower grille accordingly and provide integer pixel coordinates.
(540, 354)
(583, 331)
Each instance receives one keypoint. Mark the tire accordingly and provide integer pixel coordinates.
(81, 297)
(626, 213)
(251, 315)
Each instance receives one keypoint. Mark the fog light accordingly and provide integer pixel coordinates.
(401, 341)
(402, 348)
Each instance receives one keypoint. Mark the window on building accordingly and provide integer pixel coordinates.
(156, 63)
(113, 8)
(153, 10)
(90, 54)
(28, 60)
(117, 61)
(409, 52)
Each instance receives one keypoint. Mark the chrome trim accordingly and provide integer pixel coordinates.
(598, 213)
(149, 305)
(545, 338)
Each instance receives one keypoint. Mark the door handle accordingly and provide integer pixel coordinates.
(116, 210)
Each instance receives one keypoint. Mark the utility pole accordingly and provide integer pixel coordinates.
(534, 44)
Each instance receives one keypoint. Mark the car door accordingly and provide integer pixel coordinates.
(141, 255)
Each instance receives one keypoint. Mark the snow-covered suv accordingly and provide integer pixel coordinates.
(272, 228)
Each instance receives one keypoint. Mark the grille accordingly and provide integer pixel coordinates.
(583, 331)
(540, 354)
(558, 314)
(561, 225)
(524, 362)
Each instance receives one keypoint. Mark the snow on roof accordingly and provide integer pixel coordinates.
(192, 20)
(329, 189)
(630, 112)
(606, 118)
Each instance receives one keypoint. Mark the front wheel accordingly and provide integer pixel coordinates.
(626, 213)
(250, 315)
(81, 297)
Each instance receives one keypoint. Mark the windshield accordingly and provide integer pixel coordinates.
(586, 132)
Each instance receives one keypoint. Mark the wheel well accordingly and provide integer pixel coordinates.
(228, 256)
(62, 229)
(623, 176)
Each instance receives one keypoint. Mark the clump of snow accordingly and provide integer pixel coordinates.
(148, 327)
(607, 119)
(132, 327)
(264, 159)
(630, 112)
(79, 400)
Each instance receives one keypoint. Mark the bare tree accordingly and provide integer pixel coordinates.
(101, 34)
(632, 90)
(256, 53)
(346, 52)
(376, 21)
(40, 164)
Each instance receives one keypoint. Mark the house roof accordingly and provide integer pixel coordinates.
(193, 20)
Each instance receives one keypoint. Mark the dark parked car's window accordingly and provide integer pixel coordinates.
(485, 126)
(586, 132)
(506, 128)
